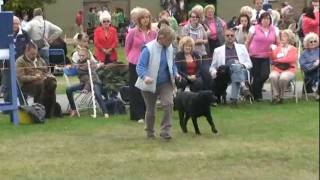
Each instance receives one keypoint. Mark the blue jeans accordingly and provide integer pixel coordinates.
(97, 93)
(238, 75)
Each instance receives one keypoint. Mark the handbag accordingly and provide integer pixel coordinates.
(282, 66)
(41, 43)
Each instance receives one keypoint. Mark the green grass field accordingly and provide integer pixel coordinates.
(255, 142)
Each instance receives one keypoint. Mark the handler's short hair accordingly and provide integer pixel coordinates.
(166, 31)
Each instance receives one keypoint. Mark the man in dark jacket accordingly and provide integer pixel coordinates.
(20, 39)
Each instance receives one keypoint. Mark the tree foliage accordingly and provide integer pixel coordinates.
(25, 5)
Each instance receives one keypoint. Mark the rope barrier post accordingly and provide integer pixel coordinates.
(7, 53)
(92, 91)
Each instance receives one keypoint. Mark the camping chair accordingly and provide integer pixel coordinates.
(82, 100)
(57, 58)
(304, 88)
(248, 85)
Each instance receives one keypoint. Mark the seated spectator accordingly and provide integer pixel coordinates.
(188, 65)
(283, 63)
(31, 71)
(309, 62)
(84, 85)
(82, 40)
(236, 57)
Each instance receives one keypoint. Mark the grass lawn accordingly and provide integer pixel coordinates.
(255, 142)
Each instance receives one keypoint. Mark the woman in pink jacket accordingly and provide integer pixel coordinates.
(135, 40)
(284, 58)
(310, 21)
(259, 41)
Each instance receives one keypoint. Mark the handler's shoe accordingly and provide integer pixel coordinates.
(73, 113)
(141, 121)
(165, 136)
(106, 115)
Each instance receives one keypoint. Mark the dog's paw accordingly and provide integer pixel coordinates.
(214, 131)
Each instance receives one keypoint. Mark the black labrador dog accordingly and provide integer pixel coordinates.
(194, 105)
(221, 83)
(48, 97)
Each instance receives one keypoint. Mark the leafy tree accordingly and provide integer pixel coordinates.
(19, 6)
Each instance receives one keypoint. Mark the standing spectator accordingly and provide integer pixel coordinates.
(234, 56)
(256, 11)
(242, 30)
(25, 19)
(42, 32)
(309, 62)
(246, 10)
(135, 40)
(92, 21)
(172, 21)
(133, 17)
(284, 58)
(260, 38)
(79, 20)
(189, 66)
(310, 22)
(157, 72)
(105, 40)
(216, 27)
(232, 23)
(20, 40)
(197, 32)
(84, 85)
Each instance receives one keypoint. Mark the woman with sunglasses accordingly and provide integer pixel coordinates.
(105, 40)
(261, 37)
(137, 38)
(309, 62)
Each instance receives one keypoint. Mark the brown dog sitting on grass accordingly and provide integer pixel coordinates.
(194, 105)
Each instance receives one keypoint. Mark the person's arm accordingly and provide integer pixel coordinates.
(305, 63)
(22, 76)
(214, 64)
(250, 37)
(97, 43)
(245, 59)
(53, 31)
(129, 41)
(291, 57)
(142, 66)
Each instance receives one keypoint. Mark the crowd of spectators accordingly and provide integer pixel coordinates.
(186, 53)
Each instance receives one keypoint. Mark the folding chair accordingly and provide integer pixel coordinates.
(57, 58)
(304, 88)
(83, 100)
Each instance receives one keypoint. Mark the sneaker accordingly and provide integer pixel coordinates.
(106, 115)
(141, 121)
(165, 136)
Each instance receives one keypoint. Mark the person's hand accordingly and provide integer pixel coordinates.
(100, 64)
(107, 51)
(178, 77)
(148, 80)
(39, 77)
(68, 66)
(84, 91)
(199, 41)
(316, 63)
(192, 77)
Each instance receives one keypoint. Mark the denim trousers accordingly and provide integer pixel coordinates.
(97, 93)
